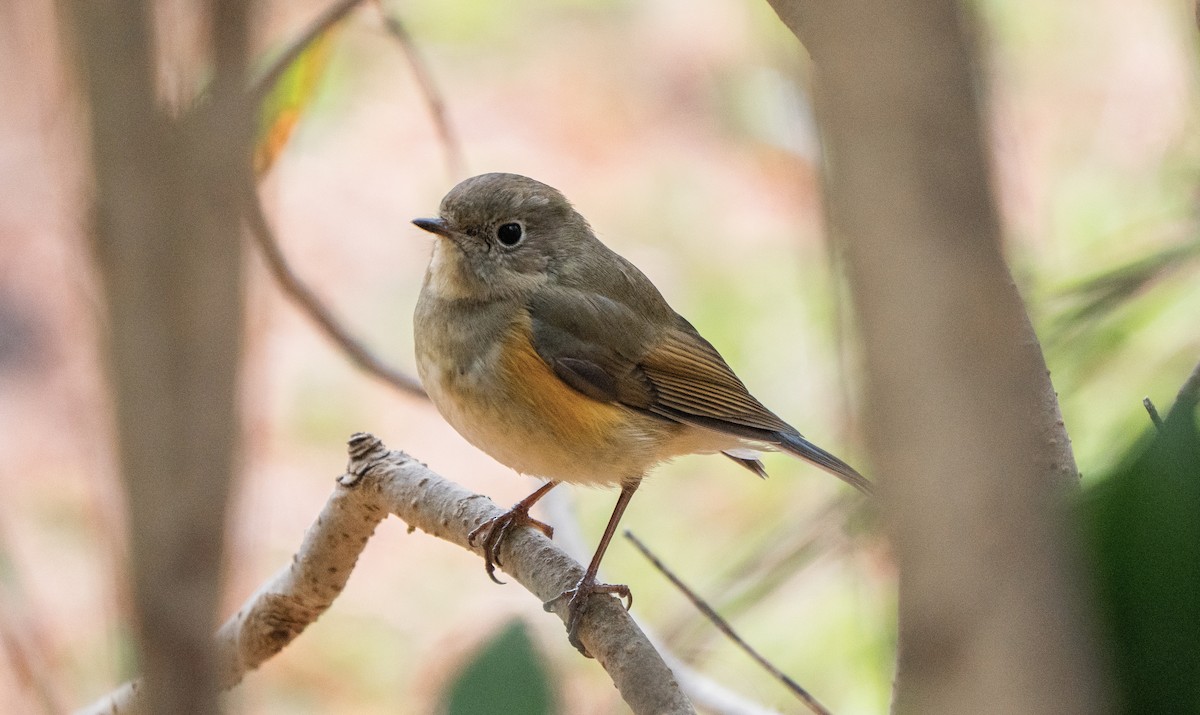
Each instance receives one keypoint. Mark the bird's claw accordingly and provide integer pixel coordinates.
(577, 603)
(491, 534)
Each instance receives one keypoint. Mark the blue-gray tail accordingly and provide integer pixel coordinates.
(802, 448)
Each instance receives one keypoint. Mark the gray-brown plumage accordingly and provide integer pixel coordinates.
(559, 358)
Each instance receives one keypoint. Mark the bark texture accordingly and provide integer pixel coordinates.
(379, 482)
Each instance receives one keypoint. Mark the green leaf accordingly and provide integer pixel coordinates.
(1143, 527)
(506, 675)
(293, 92)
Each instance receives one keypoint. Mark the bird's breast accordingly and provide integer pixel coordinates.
(481, 371)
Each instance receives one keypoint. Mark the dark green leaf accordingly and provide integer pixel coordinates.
(1143, 525)
(506, 675)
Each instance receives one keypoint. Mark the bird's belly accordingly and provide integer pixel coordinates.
(507, 402)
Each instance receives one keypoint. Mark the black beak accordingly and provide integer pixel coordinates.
(433, 225)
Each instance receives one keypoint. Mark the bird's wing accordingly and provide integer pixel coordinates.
(612, 353)
(592, 343)
(693, 383)
(695, 386)
(606, 350)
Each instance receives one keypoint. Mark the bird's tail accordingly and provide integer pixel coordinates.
(802, 448)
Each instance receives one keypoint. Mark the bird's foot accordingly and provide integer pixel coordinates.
(577, 603)
(491, 534)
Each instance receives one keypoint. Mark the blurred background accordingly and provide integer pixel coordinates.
(683, 133)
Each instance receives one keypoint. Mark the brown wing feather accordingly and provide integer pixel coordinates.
(690, 376)
(609, 352)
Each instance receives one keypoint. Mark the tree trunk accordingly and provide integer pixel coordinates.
(973, 463)
(168, 247)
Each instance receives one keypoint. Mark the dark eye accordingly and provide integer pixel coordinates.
(510, 234)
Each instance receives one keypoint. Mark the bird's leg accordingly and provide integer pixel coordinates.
(587, 585)
(494, 530)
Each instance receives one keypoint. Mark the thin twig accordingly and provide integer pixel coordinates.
(433, 98)
(265, 238)
(266, 81)
(725, 628)
(705, 692)
(308, 301)
(766, 570)
(1154, 416)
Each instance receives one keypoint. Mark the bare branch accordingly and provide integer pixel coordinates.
(378, 482)
(260, 228)
(722, 625)
(264, 238)
(433, 98)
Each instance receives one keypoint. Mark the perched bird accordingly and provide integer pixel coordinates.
(560, 359)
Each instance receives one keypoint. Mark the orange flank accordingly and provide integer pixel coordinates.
(569, 415)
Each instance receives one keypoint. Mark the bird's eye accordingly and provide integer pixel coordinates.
(510, 234)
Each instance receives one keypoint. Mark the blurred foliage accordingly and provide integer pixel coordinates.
(1115, 333)
(293, 92)
(1143, 528)
(506, 675)
(1099, 295)
(480, 22)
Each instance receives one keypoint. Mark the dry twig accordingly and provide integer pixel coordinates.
(1155, 418)
(264, 238)
(433, 98)
(722, 625)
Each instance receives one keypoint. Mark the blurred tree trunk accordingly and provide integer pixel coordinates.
(167, 245)
(975, 469)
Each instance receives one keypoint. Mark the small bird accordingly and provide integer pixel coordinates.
(560, 359)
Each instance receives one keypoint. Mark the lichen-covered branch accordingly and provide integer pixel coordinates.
(379, 482)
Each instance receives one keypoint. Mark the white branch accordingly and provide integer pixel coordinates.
(379, 482)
